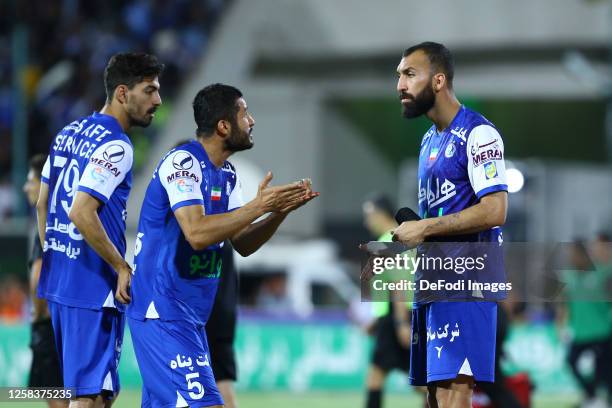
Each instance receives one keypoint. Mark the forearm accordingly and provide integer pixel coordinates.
(255, 235)
(480, 217)
(41, 213)
(41, 220)
(39, 306)
(211, 229)
(92, 230)
(400, 310)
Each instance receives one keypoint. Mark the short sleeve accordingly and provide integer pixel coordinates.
(486, 167)
(46, 171)
(180, 174)
(107, 168)
(235, 199)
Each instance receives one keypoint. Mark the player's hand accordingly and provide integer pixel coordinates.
(124, 281)
(278, 198)
(410, 233)
(404, 334)
(300, 201)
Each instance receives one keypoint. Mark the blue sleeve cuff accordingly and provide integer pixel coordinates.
(93, 193)
(186, 203)
(44, 179)
(492, 189)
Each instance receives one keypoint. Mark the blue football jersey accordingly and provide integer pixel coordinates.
(457, 167)
(172, 281)
(95, 156)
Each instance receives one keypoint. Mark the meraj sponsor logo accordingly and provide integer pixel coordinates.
(106, 165)
(486, 153)
(182, 174)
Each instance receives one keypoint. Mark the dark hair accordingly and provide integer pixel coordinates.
(129, 69)
(36, 163)
(382, 203)
(214, 103)
(440, 58)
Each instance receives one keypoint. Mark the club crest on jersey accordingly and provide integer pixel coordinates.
(486, 153)
(490, 170)
(450, 150)
(182, 161)
(113, 153)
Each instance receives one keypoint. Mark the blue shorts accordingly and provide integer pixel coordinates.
(174, 362)
(452, 338)
(89, 346)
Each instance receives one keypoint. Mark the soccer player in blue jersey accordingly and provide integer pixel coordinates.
(81, 223)
(193, 203)
(462, 197)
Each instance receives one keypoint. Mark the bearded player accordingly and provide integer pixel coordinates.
(193, 203)
(462, 197)
(81, 223)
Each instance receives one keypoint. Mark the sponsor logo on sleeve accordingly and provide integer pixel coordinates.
(486, 153)
(184, 185)
(490, 170)
(105, 164)
(114, 153)
(99, 174)
(182, 161)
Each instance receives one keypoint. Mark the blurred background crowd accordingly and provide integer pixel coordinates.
(319, 77)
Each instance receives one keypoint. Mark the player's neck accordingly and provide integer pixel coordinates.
(215, 151)
(119, 114)
(444, 111)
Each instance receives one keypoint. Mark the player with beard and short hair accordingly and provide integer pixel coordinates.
(81, 224)
(462, 198)
(193, 203)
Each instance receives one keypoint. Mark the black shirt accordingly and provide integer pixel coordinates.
(36, 252)
(221, 324)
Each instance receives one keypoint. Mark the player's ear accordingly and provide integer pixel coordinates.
(223, 127)
(121, 93)
(438, 81)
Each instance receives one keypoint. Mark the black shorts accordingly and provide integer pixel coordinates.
(46, 370)
(222, 359)
(388, 353)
